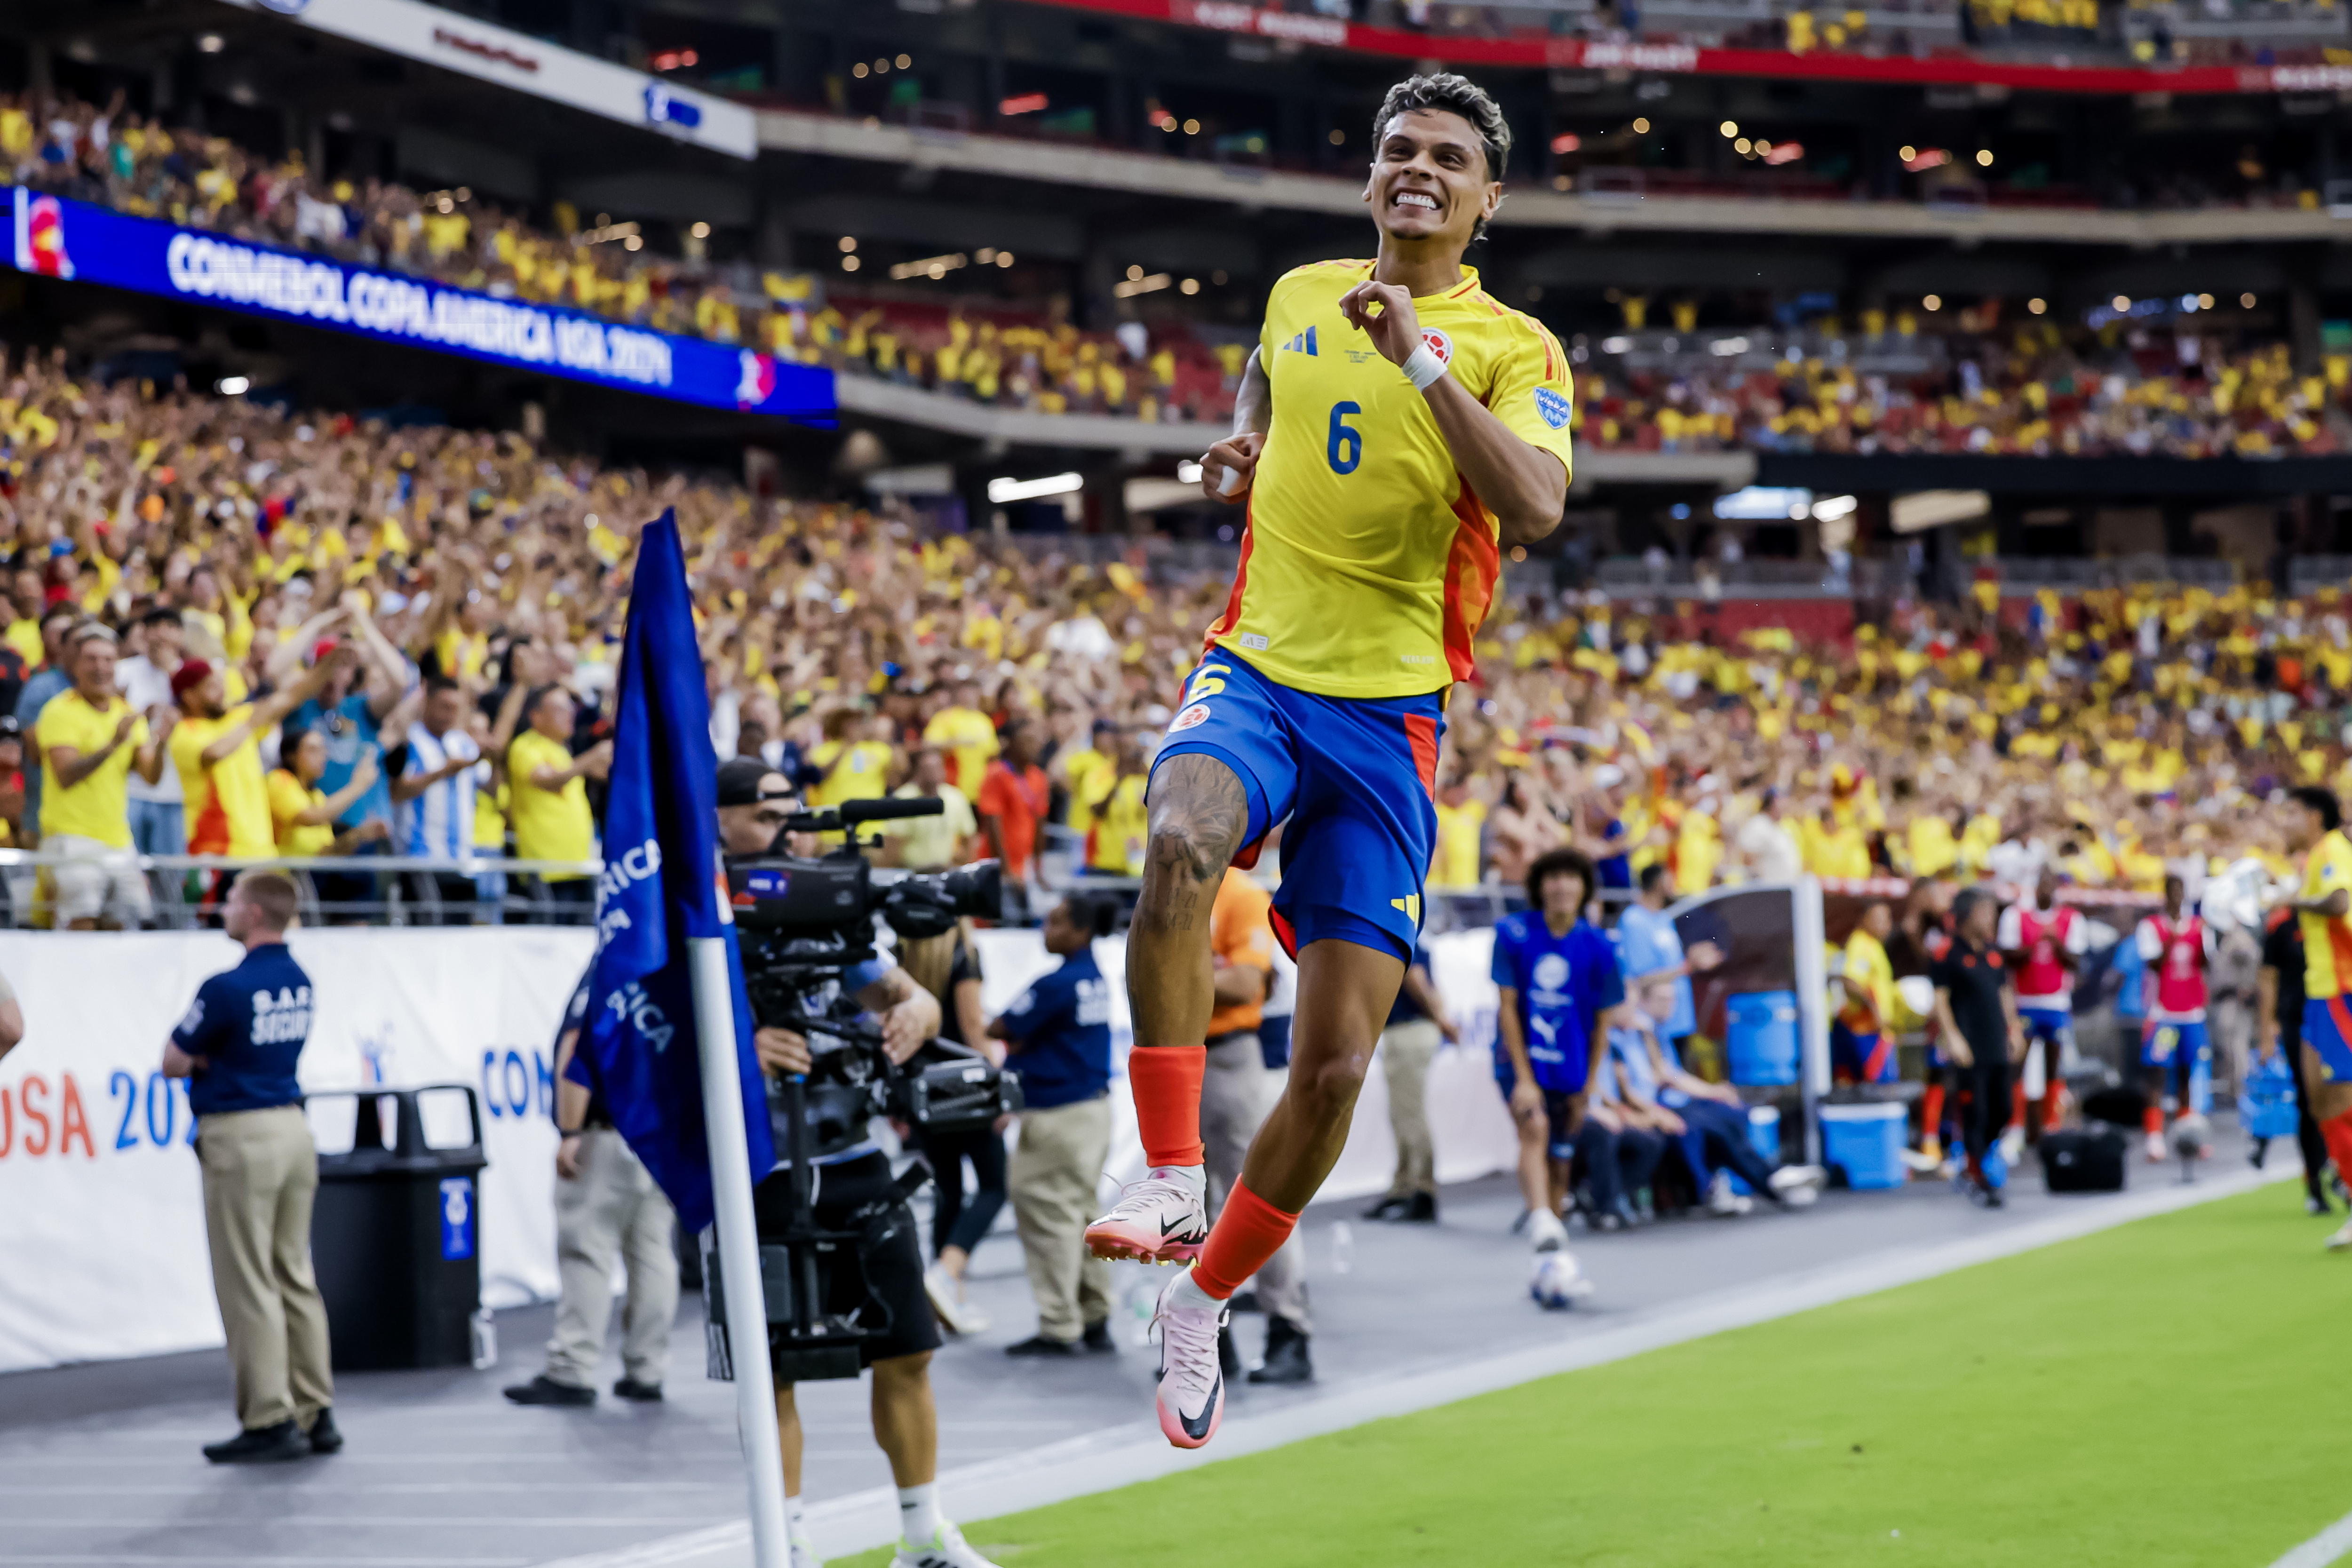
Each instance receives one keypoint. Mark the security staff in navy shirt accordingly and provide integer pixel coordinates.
(237, 1047)
(1058, 1038)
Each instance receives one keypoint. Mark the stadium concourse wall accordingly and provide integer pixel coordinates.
(102, 1217)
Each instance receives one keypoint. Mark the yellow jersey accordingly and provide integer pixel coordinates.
(1460, 829)
(549, 823)
(1368, 562)
(2326, 940)
(228, 803)
(99, 806)
(288, 800)
(858, 770)
(970, 741)
(1869, 984)
(1117, 826)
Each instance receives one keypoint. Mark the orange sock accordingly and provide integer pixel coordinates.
(1166, 1082)
(2052, 1104)
(2152, 1119)
(1250, 1231)
(1931, 1113)
(2337, 1130)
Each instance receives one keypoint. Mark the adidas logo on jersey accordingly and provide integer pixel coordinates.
(1303, 343)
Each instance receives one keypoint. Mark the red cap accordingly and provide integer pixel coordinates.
(189, 676)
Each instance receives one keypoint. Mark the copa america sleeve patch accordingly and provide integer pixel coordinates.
(1557, 410)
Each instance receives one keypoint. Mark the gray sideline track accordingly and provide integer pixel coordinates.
(99, 1465)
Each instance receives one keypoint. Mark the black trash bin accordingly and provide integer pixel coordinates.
(396, 1239)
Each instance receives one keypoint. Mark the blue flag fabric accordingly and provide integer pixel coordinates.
(661, 886)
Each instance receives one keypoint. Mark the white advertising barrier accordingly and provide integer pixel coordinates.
(101, 1219)
(1469, 1123)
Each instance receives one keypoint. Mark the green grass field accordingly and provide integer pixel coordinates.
(2162, 1395)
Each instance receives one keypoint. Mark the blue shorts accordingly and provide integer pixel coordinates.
(2169, 1045)
(2049, 1026)
(1861, 1059)
(2328, 1029)
(1356, 779)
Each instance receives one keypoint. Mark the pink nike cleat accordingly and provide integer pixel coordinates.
(1192, 1396)
(1159, 1219)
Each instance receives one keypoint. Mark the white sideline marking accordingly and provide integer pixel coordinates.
(1121, 1456)
(2322, 1549)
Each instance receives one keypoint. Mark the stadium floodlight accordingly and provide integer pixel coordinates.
(211, 44)
(1829, 508)
(1730, 128)
(1005, 489)
(1618, 345)
(232, 386)
(1725, 348)
(1763, 503)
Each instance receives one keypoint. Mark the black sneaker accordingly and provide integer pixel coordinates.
(545, 1390)
(1390, 1207)
(260, 1445)
(1097, 1338)
(2315, 1203)
(643, 1393)
(1287, 1361)
(1421, 1210)
(1039, 1345)
(325, 1439)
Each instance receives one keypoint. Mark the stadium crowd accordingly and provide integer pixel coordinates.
(221, 538)
(2121, 389)
(987, 351)
(2035, 390)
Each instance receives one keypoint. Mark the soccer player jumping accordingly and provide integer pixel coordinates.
(1397, 428)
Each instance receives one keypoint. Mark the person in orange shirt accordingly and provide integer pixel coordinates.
(1013, 803)
(1237, 1089)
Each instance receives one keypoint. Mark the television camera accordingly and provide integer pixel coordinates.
(803, 925)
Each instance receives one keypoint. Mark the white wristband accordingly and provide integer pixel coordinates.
(1422, 367)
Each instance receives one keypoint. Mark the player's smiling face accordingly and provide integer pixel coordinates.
(1430, 180)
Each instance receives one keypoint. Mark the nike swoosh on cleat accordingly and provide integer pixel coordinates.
(1168, 1227)
(1197, 1426)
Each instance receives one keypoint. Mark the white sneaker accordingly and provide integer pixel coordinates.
(2342, 1240)
(2157, 1152)
(1192, 1394)
(945, 1293)
(2012, 1146)
(946, 1548)
(1545, 1232)
(801, 1552)
(1722, 1201)
(1798, 1185)
(1159, 1219)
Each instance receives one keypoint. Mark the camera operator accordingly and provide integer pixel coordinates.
(755, 802)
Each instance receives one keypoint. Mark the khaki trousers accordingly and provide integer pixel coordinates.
(612, 1212)
(261, 1175)
(1406, 1051)
(1238, 1093)
(1053, 1179)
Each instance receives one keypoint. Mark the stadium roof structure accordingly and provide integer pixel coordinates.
(1690, 59)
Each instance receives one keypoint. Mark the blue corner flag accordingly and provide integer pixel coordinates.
(661, 887)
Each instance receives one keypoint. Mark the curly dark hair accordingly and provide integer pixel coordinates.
(1455, 94)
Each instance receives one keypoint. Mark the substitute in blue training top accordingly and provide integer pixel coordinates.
(1558, 976)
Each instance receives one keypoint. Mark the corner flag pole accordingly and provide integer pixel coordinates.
(739, 1249)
